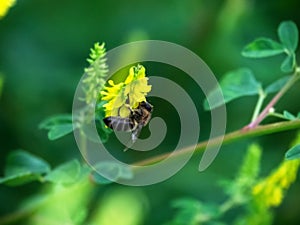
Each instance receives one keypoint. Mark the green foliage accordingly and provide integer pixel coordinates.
(255, 196)
(23, 167)
(234, 84)
(95, 73)
(238, 191)
(102, 130)
(125, 206)
(61, 125)
(58, 126)
(289, 116)
(69, 184)
(112, 172)
(293, 153)
(288, 35)
(288, 63)
(265, 47)
(269, 192)
(277, 85)
(193, 212)
(242, 82)
(60, 204)
(262, 47)
(66, 173)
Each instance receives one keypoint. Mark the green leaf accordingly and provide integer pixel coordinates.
(277, 85)
(66, 173)
(57, 126)
(58, 131)
(288, 115)
(262, 47)
(55, 120)
(112, 172)
(293, 153)
(288, 35)
(234, 84)
(193, 212)
(23, 167)
(288, 64)
(102, 129)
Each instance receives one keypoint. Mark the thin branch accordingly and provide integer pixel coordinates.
(261, 97)
(271, 104)
(228, 138)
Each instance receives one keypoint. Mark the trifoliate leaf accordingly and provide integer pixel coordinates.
(57, 126)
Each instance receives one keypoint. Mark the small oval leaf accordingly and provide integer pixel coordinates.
(288, 64)
(288, 35)
(55, 120)
(288, 115)
(293, 153)
(234, 84)
(262, 47)
(60, 130)
(277, 85)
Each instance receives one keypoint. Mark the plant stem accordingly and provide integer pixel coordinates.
(228, 138)
(259, 103)
(265, 112)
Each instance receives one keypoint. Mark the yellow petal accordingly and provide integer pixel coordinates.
(141, 72)
(130, 76)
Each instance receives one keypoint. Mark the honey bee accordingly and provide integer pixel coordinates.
(134, 123)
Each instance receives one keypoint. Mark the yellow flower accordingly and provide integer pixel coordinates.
(270, 191)
(4, 6)
(126, 94)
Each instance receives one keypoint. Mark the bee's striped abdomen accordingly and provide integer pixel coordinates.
(119, 123)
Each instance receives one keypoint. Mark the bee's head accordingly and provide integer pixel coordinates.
(146, 106)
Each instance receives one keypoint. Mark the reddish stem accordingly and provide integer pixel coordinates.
(271, 104)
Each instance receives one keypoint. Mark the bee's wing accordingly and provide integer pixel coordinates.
(119, 124)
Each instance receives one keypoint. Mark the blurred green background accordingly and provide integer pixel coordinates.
(43, 47)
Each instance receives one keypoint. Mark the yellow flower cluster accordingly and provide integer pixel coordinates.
(128, 93)
(4, 6)
(270, 191)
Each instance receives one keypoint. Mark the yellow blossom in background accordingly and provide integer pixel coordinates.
(128, 93)
(4, 6)
(270, 191)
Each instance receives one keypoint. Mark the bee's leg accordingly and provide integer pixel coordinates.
(134, 136)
